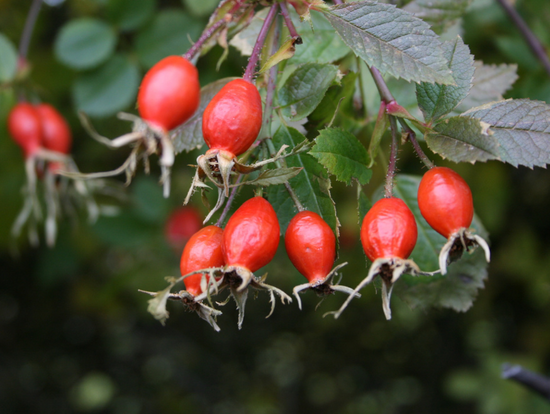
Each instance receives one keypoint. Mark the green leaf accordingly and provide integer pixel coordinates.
(320, 44)
(107, 89)
(436, 100)
(244, 40)
(391, 39)
(201, 7)
(440, 14)
(85, 43)
(490, 83)
(461, 139)
(8, 59)
(382, 124)
(312, 186)
(338, 105)
(168, 34)
(130, 15)
(275, 176)
(286, 51)
(304, 89)
(521, 127)
(459, 287)
(188, 136)
(342, 155)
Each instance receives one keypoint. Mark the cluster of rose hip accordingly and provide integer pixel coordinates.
(214, 259)
(45, 138)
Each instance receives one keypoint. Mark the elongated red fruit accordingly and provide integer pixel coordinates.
(202, 251)
(169, 93)
(310, 245)
(25, 127)
(251, 236)
(389, 230)
(233, 118)
(56, 134)
(445, 201)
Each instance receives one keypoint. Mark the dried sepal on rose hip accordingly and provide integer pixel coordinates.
(445, 201)
(201, 261)
(311, 247)
(231, 123)
(45, 137)
(250, 241)
(388, 236)
(168, 96)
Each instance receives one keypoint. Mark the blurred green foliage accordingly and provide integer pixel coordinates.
(74, 332)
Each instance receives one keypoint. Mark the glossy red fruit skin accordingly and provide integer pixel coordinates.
(445, 201)
(389, 230)
(310, 245)
(251, 236)
(202, 251)
(233, 118)
(56, 134)
(169, 93)
(181, 224)
(25, 128)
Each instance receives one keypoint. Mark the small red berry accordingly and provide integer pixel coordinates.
(25, 128)
(202, 251)
(56, 134)
(445, 201)
(251, 236)
(310, 245)
(233, 118)
(182, 223)
(169, 93)
(389, 230)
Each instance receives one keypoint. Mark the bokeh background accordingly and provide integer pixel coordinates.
(74, 332)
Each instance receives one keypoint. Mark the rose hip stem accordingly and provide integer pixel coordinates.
(390, 175)
(288, 22)
(29, 27)
(209, 31)
(411, 135)
(255, 56)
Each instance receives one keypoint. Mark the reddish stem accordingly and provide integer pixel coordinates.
(388, 188)
(229, 202)
(288, 22)
(209, 31)
(253, 61)
(338, 2)
(412, 137)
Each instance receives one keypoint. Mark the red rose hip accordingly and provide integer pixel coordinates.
(202, 251)
(169, 93)
(445, 201)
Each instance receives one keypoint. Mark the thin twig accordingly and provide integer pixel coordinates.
(412, 138)
(388, 188)
(209, 31)
(29, 27)
(338, 2)
(383, 89)
(535, 382)
(288, 22)
(532, 40)
(255, 56)
(229, 202)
